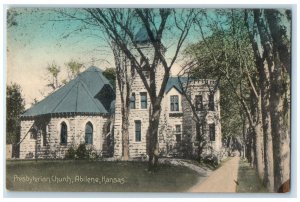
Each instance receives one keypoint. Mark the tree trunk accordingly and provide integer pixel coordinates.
(153, 148)
(279, 108)
(280, 95)
(125, 135)
(258, 132)
(279, 25)
(268, 147)
(268, 153)
(259, 149)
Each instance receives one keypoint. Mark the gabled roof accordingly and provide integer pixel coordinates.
(175, 82)
(77, 96)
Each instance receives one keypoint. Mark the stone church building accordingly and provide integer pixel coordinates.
(87, 110)
(79, 112)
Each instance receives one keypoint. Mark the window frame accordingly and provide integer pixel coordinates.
(174, 103)
(199, 102)
(145, 101)
(45, 142)
(63, 133)
(211, 102)
(178, 133)
(133, 101)
(138, 130)
(212, 132)
(89, 133)
(199, 130)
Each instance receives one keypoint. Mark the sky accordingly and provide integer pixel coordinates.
(39, 39)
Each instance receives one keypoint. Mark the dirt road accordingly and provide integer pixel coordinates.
(221, 180)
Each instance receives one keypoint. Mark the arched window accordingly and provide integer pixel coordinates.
(63, 133)
(89, 133)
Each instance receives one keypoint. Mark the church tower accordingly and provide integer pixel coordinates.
(140, 102)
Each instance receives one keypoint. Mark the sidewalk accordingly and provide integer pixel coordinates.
(221, 180)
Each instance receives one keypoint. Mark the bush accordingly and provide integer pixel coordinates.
(70, 153)
(81, 152)
(211, 159)
(92, 154)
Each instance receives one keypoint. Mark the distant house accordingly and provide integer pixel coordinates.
(79, 112)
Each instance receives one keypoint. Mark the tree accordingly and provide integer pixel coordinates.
(53, 71)
(252, 57)
(73, 69)
(224, 53)
(15, 106)
(11, 18)
(271, 44)
(185, 79)
(119, 27)
(110, 74)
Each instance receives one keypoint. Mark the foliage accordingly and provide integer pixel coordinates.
(224, 54)
(11, 18)
(53, 71)
(71, 153)
(211, 160)
(15, 106)
(110, 74)
(81, 152)
(73, 69)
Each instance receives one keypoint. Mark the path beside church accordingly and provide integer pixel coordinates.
(221, 180)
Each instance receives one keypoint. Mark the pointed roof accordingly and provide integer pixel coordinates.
(77, 96)
(174, 82)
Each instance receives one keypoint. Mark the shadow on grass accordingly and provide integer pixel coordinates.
(96, 176)
(248, 181)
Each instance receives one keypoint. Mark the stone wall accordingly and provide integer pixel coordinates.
(28, 144)
(203, 87)
(33, 145)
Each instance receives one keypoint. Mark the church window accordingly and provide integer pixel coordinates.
(63, 133)
(88, 133)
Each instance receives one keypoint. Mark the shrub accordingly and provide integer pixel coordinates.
(29, 155)
(93, 154)
(81, 152)
(211, 159)
(70, 153)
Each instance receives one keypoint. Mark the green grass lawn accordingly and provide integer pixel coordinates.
(248, 179)
(92, 176)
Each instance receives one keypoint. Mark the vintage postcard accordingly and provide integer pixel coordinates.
(148, 99)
